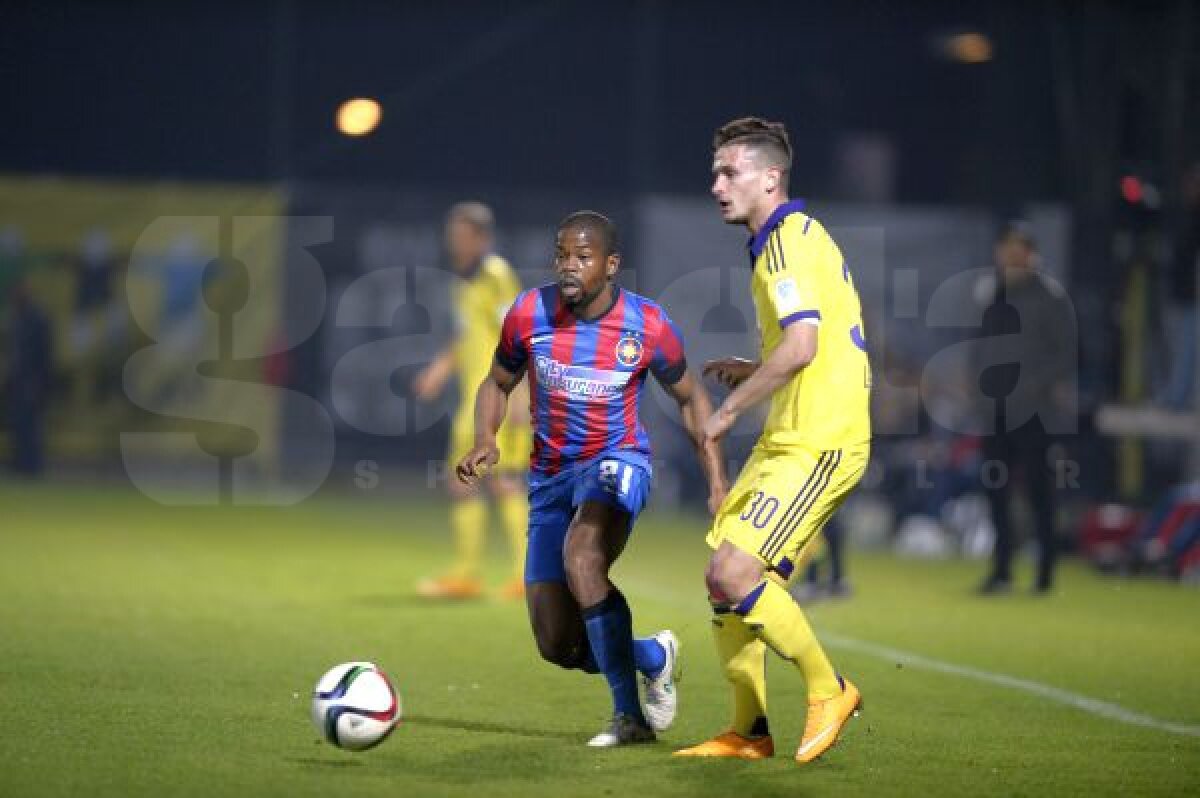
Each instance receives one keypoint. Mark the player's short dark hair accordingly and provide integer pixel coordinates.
(1018, 229)
(596, 222)
(770, 138)
(473, 213)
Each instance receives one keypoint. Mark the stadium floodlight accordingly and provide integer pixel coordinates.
(359, 116)
(968, 47)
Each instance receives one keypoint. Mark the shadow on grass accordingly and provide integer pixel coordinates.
(313, 761)
(394, 601)
(531, 769)
(491, 728)
(702, 778)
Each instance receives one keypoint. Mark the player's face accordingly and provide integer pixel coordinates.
(582, 264)
(740, 183)
(465, 244)
(1013, 254)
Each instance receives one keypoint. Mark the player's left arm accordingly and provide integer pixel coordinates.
(694, 408)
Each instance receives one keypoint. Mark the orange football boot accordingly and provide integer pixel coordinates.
(513, 590)
(732, 745)
(825, 721)
(449, 587)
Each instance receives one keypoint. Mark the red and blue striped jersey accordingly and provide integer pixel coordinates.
(586, 377)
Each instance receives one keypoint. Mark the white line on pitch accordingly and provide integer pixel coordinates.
(1102, 708)
(1094, 706)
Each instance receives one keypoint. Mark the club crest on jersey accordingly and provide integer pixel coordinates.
(629, 351)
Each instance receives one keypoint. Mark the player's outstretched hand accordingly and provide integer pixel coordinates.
(720, 422)
(730, 371)
(477, 462)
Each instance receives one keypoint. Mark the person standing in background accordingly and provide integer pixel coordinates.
(484, 288)
(811, 589)
(28, 380)
(1183, 322)
(1024, 360)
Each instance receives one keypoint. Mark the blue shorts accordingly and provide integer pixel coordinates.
(552, 506)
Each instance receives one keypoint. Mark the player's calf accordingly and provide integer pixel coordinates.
(557, 652)
(587, 574)
(558, 628)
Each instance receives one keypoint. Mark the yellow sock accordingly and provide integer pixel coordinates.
(744, 659)
(514, 511)
(468, 521)
(781, 625)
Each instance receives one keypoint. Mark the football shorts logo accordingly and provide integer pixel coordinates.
(615, 477)
(629, 351)
(609, 475)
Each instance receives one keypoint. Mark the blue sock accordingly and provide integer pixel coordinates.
(649, 655)
(587, 660)
(610, 631)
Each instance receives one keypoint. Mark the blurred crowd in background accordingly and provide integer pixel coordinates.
(213, 279)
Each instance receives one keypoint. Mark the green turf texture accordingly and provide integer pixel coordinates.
(161, 651)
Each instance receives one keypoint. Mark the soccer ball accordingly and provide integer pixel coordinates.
(354, 706)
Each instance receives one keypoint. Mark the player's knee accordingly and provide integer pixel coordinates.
(585, 564)
(731, 578)
(713, 583)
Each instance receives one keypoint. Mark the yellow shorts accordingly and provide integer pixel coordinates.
(782, 499)
(515, 442)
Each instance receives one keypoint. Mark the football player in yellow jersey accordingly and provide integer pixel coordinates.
(813, 449)
(482, 293)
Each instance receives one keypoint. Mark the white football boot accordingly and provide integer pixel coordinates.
(661, 700)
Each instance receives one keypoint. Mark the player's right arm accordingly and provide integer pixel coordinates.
(491, 405)
(491, 400)
(789, 282)
(795, 352)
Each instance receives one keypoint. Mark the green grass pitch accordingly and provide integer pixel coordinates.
(171, 652)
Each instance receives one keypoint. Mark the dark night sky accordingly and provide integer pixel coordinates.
(619, 96)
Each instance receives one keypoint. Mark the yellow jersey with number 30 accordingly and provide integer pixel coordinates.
(800, 277)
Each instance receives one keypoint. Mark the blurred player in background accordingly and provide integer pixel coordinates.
(28, 383)
(587, 346)
(813, 450)
(484, 289)
(832, 556)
